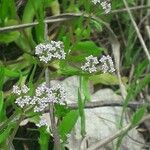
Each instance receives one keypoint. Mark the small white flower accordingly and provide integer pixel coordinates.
(107, 64)
(41, 98)
(24, 89)
(16, 90)
(106, 6)
(57, 94)
(44, 96)
(96, 1)
(49, 51)
(41, 89)
(42, 122)
(90, 64)
(40, 107)
(23, 101)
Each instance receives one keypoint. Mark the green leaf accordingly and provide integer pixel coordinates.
(44, 138)
(5, 134)
(140, 68)
(61, 110)
(7, 10)
(68, 123)
(81, 112)
(55, 8)
(9, 37)
(138, 115)
(107, 79)
(66, 69)
(10, 73)
(86, 88)
(83, 49)
(32, 7)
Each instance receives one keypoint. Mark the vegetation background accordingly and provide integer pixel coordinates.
(85, 29)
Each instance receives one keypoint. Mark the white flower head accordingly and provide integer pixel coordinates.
(16, 90)
(24, 89)
(106, 5)
(42, 122)
(44, 96)
(57, 94)
(90, 64)
(23, 101)
(107, 64)
(41, 98)
(96, 1)
(48, 51)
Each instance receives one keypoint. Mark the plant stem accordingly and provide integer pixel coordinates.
(57, 144)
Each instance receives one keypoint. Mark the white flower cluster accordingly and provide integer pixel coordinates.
(49, 51)
(96, 1)
(90, 65)
(23, 99)
(107, 64)
(42, 122)
(43, 96)
(58, 94)
(106, 5)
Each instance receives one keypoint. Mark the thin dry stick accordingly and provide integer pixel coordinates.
(137, 30)
(104, 142)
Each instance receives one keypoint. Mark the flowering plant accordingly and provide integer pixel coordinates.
(61, 61)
